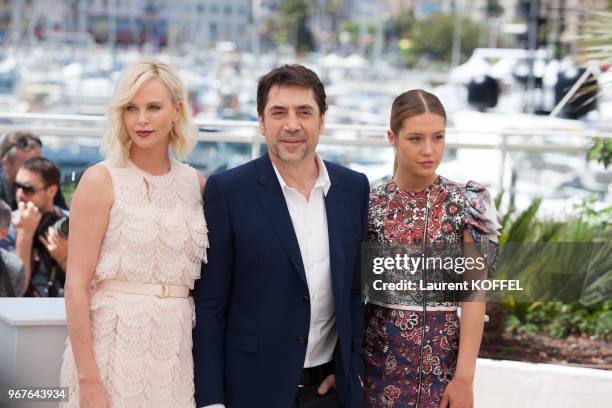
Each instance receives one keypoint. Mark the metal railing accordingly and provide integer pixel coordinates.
(246, 132)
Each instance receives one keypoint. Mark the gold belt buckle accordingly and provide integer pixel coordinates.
(165, 291)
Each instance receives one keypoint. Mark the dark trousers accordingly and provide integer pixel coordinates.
(308, 397)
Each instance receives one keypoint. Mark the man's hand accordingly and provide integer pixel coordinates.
(28, 219)
(327, 384)
(57, 246)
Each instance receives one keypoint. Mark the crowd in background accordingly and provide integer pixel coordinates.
(33, 220)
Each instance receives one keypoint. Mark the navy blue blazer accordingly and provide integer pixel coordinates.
(252, 310)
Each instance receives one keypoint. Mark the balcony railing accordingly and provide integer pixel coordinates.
(502, 153)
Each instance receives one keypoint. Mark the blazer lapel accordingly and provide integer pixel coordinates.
(334, 204)
(273, 201)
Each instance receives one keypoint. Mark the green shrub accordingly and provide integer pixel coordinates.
(592, 316)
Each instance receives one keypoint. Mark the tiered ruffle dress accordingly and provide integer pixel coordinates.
(156, 234)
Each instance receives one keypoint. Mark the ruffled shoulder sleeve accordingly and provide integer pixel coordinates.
(480, 214)
(482, 222)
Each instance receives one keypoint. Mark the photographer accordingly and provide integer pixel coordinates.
(11, 267)
(15, 149)
(40, 232)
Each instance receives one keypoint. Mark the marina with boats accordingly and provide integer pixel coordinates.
(58, 87)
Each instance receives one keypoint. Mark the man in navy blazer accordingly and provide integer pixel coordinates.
(279, 313)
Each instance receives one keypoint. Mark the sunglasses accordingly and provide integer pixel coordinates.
(27, 190)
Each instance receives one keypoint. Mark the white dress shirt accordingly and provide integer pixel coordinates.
(309, 220)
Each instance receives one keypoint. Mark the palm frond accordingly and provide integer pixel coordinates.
(602, 91)
(595, 35)
(522, 227)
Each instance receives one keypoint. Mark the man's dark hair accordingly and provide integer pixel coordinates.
(47, 169)
(18, 141)
(293, 75)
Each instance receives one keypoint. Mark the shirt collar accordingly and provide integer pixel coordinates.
(322, 180)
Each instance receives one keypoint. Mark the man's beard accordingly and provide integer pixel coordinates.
(278, 152)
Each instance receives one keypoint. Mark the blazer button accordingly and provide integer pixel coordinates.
(303, 339)
(306, 298)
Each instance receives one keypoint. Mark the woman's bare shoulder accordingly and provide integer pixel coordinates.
(95, 185)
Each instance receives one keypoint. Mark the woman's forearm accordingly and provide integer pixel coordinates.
(79, 331)
(471, 329)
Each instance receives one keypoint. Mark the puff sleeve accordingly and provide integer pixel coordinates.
(482, 222)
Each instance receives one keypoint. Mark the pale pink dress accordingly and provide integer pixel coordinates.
(156, 234)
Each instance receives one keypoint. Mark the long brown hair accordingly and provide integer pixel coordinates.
(412, 103)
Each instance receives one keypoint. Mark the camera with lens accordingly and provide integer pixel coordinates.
(57, 222)
(48, 278)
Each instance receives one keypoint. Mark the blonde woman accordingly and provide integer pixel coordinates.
(137, 240)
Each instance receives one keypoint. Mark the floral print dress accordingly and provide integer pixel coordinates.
(412, 341)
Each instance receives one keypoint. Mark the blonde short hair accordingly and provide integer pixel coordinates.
(117, 142)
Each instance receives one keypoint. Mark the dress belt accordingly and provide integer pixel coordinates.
(159, 290)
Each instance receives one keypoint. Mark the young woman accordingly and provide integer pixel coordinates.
(137, 240)
(418, 353)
